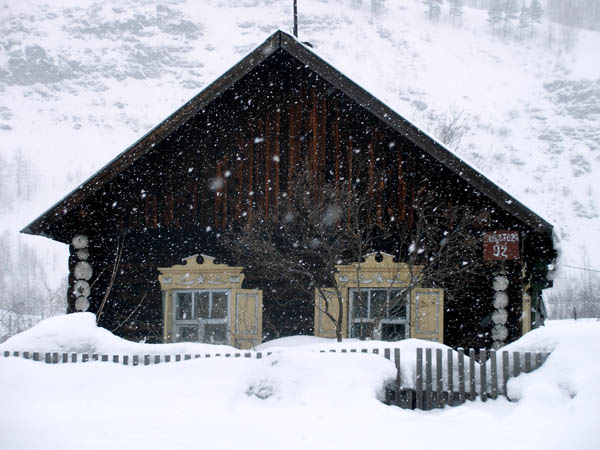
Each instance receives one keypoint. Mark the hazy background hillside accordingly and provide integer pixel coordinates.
(80, 80)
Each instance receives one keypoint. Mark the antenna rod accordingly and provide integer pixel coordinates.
(296, 19)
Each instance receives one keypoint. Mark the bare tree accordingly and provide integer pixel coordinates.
(524, 20)
(575, 295)
(313, 229)
(434, 8)
(495, 14)
(26, 297)
(456, 10)
(509, 13)
(317, 227)
(441, 245)
(536, 12)
(114, 271)
(449, 127)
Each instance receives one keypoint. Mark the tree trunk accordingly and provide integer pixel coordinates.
(340, 321)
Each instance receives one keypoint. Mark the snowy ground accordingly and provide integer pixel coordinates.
(295, 398)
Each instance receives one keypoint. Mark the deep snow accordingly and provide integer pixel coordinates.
(294, 398)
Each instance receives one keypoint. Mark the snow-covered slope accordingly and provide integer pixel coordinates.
(80, 80)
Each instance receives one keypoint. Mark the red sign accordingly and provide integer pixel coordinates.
(501, 245)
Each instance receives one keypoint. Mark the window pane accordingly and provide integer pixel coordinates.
(215, 333)
(219, 306)
(183, 310)
(393, 331)
(202, 304)
(361, 330)
(359, 304)
(397, 304)
(378, 303)
(187, 334)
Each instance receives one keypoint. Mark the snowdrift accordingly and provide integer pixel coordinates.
(78, 333)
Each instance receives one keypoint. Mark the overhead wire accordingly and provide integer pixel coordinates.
(579, 268)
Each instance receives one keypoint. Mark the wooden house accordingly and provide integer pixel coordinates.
(236, 146)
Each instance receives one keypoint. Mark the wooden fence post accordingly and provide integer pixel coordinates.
(494, 374)
(428, 379)
(482, 375)
(516, 364)
(439, 382)
(472, 393)
(449, 361)
(505, 372)
(419, 378)
(539, 360)
(398, 384)
(461, 376)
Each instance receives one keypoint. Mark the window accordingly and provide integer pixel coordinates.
(378, 313)
(202, 316)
